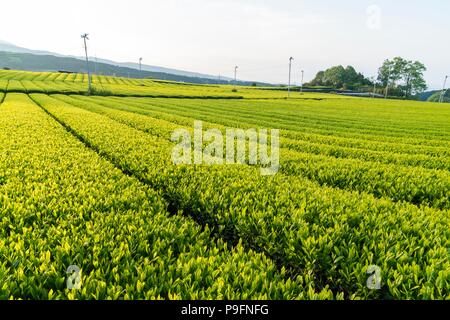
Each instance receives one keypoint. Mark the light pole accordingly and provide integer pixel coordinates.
(289, 82)
(86, 37)
(374, 87)
(301, 83)
(441, 99)
(140, 67)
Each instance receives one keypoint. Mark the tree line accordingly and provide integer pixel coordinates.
(402, 77)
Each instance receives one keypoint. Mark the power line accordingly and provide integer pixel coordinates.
(374, 87)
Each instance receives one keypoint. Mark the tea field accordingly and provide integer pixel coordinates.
(89, 181)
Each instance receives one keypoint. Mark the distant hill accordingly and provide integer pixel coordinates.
(33, 62)
(437, 95)
(15, 57)
(163, 70)
(424, 96)
(9, 47)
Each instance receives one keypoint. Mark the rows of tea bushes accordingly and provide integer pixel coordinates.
(134, 87)
(329, 234)
(157, 108)
(3, 85)
(412, 184)
(63, 205)
(432, 134)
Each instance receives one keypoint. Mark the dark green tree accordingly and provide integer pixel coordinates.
(335, 77)
(318, 80)
(403, 75)
(340, 77)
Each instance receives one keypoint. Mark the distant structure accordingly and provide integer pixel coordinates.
(289, 82)
(441, 99)
(301, 83)
(86, 37)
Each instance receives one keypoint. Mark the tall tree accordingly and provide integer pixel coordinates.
(413, 77)
(335, 76)
(404, 75)
(340, 77)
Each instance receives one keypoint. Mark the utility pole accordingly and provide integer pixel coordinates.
(374, 87)
(86, 37)
(140, 67)
(441, 99)
(289, 82)
(235, 74)
(301, 83)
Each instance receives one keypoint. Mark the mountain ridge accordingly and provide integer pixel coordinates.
(50, 63)
(6, 46)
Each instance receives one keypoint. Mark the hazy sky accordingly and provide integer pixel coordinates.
(212, 36)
